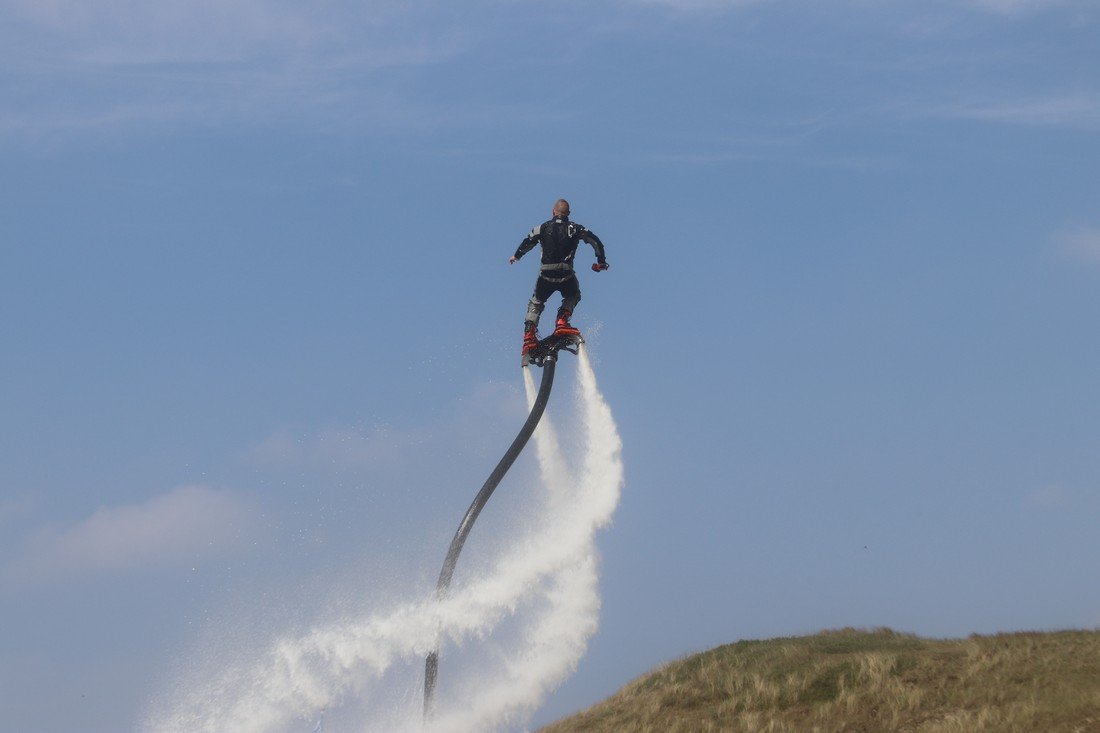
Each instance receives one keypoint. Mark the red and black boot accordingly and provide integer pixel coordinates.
(530, 340)
(564, 328)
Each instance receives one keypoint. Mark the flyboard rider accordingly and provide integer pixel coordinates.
(559, 238)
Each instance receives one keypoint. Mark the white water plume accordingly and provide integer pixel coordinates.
(544, 587)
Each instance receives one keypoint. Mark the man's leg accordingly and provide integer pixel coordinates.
(570, 297)
(534, 312)
(543, 290)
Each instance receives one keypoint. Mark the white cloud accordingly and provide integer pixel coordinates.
(131, 31)
(1082, 245)
(1012, 7)
(1003, 7)
(183, 524)
(699, 4)
(213, 36)
(334, 447)
(346, 447)
(79, 66)
(1074, 110)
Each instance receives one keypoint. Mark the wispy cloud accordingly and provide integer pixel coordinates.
(1014, 7)
(1003, 7)
(698, 4)
(123, 64)
(1079, 109)
(1082, 245)
(68, 66)
(129, 32)
(183, 524)
(331, 447)
(347, 447)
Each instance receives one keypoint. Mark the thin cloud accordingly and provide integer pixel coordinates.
(698, 4)
(348, 448)
(1001, 7)
(1082, 245)
(331, 448)
(119, 32)
(184, 524)
(1069, 110)
(1015, 7)
(130, 65)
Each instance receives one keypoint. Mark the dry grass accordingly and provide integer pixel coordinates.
(853, 681)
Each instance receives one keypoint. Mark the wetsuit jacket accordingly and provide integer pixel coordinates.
(559, 238)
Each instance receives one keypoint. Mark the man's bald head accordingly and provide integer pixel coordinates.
(561, 207)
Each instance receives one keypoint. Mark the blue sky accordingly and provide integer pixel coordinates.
(260, 335)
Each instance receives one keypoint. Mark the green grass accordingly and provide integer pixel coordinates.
(852, 681)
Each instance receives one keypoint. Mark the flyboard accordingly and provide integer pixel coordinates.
(544, 355)
(548, 348)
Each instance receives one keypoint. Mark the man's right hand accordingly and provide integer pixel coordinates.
(513, 260)
(599, 266)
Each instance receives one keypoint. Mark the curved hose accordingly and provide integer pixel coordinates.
(431, 663)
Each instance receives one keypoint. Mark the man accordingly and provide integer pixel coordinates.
(559, 238)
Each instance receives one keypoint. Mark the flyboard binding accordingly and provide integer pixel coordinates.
(548, 348)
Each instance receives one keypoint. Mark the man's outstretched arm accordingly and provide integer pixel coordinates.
(525, 246)
(601, 257)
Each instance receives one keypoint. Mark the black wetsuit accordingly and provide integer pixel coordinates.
(559, 238)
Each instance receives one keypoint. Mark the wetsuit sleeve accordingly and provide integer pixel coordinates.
(596, 245)
(528, 243)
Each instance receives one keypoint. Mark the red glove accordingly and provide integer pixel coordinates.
(599, 266)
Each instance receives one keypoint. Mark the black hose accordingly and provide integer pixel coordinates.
(431, 664)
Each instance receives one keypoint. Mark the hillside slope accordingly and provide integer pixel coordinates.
(866, 681)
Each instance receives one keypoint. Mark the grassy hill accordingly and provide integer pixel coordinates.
(866, 681)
